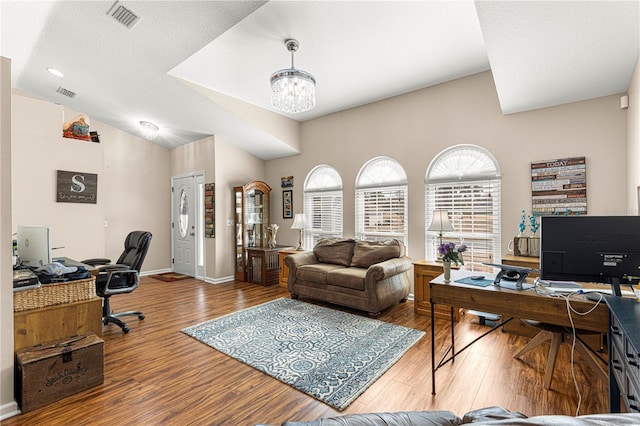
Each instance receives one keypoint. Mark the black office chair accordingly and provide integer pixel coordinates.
(121, 277)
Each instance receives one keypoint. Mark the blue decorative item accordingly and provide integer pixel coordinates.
(522, 226)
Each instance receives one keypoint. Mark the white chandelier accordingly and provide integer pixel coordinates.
(149, 130)
(293, 90)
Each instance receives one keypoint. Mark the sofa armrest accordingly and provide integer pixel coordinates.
(294, 261)
(389, 268)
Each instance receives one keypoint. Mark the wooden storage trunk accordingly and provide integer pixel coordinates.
(52, 371)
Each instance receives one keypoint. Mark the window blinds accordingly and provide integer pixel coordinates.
(323, 210)
(381, 213)
(474, 210)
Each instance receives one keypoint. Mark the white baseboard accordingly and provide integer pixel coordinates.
(157, 271)
(9, 410)
(219, 280)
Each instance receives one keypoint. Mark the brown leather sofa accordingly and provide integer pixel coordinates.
(484, 416)
(366, 275)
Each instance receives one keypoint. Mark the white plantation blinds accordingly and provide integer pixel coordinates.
(322, 205)
(464, 181)
(381, 201)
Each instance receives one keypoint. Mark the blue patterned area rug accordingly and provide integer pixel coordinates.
(330, 355)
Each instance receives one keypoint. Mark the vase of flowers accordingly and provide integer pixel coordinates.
(451, 255)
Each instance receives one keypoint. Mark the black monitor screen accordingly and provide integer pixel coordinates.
(590, 248)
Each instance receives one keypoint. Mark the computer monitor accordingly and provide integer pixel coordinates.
(603, 249)
(34, 245)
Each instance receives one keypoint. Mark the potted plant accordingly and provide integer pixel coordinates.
(451, 254)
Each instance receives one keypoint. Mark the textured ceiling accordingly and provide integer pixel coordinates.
(172, 67)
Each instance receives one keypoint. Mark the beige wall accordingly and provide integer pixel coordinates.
(8, 406)
(415, 127)
(633, 137)
(234, 167)
(133, 184)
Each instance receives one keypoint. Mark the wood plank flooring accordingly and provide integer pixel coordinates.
(156, 375)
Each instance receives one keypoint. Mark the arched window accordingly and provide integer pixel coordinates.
(464, 181)
(381, 201)
(322, 204)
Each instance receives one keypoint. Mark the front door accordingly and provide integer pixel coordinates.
(184, 225)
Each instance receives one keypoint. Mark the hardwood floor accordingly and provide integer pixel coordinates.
(156, 375)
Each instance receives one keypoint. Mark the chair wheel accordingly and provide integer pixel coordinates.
(141, 317)
(125, 329)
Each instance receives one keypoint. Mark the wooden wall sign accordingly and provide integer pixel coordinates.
(77, 187)
(209, 210)
(559, 186)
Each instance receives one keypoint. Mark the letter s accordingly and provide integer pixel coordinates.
(77, 183)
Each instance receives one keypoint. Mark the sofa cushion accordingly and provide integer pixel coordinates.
(316, 272)
(367, 253)
(338, 251)
(347, 277)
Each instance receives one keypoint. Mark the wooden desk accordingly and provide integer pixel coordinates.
(56, 322)
(509, 303)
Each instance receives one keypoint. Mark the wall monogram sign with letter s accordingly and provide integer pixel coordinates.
(77, 187)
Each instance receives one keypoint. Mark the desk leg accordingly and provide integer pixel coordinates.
(433, 351)
(453, 337)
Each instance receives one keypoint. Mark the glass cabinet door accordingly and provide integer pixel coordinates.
(251, 221)
(238, 219)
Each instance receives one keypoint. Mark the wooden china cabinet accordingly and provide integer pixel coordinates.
(252, 207)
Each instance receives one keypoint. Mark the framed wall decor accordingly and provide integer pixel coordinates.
(76, 187)
(287, 204)
(286, 181)
(209, 206)
(559, 186)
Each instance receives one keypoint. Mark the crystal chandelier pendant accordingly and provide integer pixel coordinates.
(149, 130)
(292, 90)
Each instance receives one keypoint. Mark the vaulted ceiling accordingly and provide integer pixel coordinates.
(199, 68)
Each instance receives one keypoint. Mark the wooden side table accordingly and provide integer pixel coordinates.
(423, 272)
(284, 269)
(262, 265)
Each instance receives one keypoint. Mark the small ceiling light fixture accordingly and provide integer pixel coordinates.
(293, 90)
(149, 130)
(55, 72)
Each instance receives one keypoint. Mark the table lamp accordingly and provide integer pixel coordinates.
(440, 223)
(300, 222)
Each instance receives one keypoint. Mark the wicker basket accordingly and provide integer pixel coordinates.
(54, 294)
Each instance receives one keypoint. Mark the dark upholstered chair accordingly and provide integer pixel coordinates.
(121, 277)
(556, 334)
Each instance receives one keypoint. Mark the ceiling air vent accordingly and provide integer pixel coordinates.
(65, 92)
(123, 15)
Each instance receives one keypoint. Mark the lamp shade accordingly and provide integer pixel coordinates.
(299, 221)
(440, 222)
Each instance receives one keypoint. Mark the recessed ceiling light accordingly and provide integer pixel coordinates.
(55, 72)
